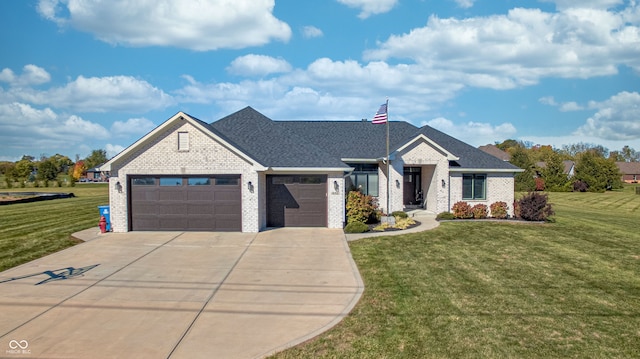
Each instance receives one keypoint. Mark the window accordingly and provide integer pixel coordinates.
(170, 181)
(365, 178)
(474, 186)
(227, 181)
(144, 181)
(183, 141)
(198, 181)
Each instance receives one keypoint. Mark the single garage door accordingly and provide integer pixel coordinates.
(178, 203)
(297, 201)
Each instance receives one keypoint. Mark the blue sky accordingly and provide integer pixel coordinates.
(78, 75)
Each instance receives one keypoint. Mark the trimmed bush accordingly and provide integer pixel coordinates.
(400, 214)
(360, 208)
(443, 216)
(479, 211)
(356, 227)
(534, 206)
(462, 210)
(499, 210)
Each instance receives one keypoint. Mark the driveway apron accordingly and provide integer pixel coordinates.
(178, 295)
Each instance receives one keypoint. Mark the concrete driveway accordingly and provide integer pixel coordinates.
(178, 295)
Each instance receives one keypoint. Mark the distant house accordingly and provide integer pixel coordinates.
(494, 151)
(630, 171)
(569, 167)
(96, 175)
(246, 172)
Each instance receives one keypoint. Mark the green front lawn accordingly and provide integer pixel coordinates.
(498, 290)
(32, 230)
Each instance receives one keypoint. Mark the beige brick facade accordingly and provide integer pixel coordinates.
(206, 155)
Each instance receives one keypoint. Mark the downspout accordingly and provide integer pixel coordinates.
(449, 195)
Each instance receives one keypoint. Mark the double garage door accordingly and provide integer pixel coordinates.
(214, 203)
(175, 203)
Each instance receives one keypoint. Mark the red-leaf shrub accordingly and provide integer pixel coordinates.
(580, 186)
(499, 210)
(479, 211)
(462, 210)
(539, 184)
(534, 206)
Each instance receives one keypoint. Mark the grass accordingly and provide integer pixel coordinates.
(569, 289)
(32, 230)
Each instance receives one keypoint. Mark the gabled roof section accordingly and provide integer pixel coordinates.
(180, 116)
(274, 145)
(470, 158)
(629, 168)
(495, 151)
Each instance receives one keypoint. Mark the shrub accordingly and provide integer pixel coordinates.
(445, 216)
(356, 227)
(499, 210)
(534, 206)
(479, 211)
(400, 214)
(580, 186)
(360, 208)
(539, 184)
(404, 223)
(381, 227)
(462, 210)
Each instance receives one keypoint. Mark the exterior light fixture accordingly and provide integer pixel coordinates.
(118, 187)
(336, 186)
(397, 183)
(250, 186)
(444, 184)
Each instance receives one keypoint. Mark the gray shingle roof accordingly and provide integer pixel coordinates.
(272, 145)
(324, 143)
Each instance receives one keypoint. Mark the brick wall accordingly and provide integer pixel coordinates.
(205, 156)
(500, 187)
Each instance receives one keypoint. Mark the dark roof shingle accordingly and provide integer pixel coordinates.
(325, 143)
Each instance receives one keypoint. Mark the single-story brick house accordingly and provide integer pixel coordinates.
(246, 172)
(630, 171)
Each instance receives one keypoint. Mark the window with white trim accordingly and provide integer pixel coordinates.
(183, 141)
(474, 186)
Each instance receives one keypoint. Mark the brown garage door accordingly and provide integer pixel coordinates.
(171, 203)
(297, 201)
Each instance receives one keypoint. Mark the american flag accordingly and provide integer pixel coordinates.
(381, 115)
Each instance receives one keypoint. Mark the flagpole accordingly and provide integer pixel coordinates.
(388, 167)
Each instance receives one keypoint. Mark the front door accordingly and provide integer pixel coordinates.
(412, 189)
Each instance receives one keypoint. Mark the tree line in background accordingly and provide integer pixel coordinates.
(58, 170)
(595, 168)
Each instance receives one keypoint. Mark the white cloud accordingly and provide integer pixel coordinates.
(28, 129)
(473, 133)
(311, 31)
(198, 25)
(97, 94)
(617, 118)
(370, 7)
(258, 65)
(570, 106)
(132, 127)
(564, 107)
(113, 150)
(519, 48)
(465, 4)
(548, 100)
(31, 75)
(596, 4)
